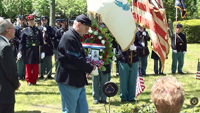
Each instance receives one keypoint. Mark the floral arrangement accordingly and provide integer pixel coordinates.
(101, 36)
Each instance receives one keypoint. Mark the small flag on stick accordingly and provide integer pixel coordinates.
(140, 83)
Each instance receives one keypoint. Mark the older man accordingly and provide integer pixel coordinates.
(71, 73)
(8, 69)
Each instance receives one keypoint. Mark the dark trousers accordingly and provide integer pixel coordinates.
(6, 108)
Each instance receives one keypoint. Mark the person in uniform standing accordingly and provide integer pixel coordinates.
(56, 42)
(31, 39)
(59, 33)
(73, 66)
(143, 56)
(156, 58)
(18, 29)
(179, 46)
(128, 69)
(46, 62)
(9, 82)
(38, 21)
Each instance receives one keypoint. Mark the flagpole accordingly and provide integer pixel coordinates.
(176, 24)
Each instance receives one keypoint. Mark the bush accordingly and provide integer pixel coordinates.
(191, 30)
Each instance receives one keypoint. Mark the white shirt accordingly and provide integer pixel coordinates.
(5, 39)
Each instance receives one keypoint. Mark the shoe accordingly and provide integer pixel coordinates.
(181, 73)
(95, 102)
(100, 101)
(50, 77)
(131, 100)
(41, 77)
(123, 101)
(34, 84)
(162, 73)
(28, 84)
(173, 72)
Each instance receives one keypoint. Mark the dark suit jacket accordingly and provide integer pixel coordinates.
(8, 73)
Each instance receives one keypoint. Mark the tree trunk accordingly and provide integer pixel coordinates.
(52, 13)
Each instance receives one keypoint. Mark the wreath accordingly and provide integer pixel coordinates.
(99, 36)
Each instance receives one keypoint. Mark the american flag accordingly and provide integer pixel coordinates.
(140, 83)
(198, 75)
(152, 15)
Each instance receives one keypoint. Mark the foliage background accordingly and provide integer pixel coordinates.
(72, 8)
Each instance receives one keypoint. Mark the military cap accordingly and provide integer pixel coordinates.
(84, 20)
(71, 21)
(21, 16)
(38, 19)
(30, 17)
(179, 25)
(57, 20)
(43, 17)
(62, 20)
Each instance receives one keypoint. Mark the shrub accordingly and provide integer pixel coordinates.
(191, 30)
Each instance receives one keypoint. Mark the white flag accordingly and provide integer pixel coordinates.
(117, 16)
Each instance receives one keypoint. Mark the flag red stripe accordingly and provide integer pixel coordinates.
(140, 5)
(140, 19)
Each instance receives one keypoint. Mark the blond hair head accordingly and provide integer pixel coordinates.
(168, 95)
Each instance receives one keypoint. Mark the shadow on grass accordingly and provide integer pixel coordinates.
(37, 93)
(34, 111)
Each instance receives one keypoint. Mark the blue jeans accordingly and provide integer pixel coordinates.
(128, 78)
(177, 57)
(97, 85)
(73, 99)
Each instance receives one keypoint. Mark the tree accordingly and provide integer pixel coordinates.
(12, 8)
(52, 13)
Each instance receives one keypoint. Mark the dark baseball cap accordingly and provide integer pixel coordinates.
(84, 20)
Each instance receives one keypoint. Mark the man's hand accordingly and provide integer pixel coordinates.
(133, 47)
(18, 86)
(42, 55)
(19, 55)
(144, 33)
(95, 71)
(175, 51)
(184, 52)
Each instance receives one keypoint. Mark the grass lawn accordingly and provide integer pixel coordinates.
(45, 98)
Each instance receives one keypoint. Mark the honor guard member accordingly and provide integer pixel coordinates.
(179, 46)
(143, 56)
(59, 33)
(31, 39)
(46, 62)
(128, 69)
(18, 30)
(71, 22)
(156, 58)
(55, 42)
(73, 66)
(38, 21)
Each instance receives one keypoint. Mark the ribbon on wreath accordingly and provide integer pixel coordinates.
(97, 63)
(93, 46)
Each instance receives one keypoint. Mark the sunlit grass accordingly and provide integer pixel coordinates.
(45, 98)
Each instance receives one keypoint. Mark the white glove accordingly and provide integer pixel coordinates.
(143, 44)
(19, 55)
(42, 55)
(133, 47)
(144, 33)
(184, 52)
(95, 72)
(175, 51)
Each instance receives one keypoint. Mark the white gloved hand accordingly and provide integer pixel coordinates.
(42, 55)
(19, 55)
(184, 52)
(133, 47)
(95, 72)
(144, 33)
(175, 51)
(143, 44)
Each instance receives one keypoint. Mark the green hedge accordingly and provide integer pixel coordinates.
(191, 28)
